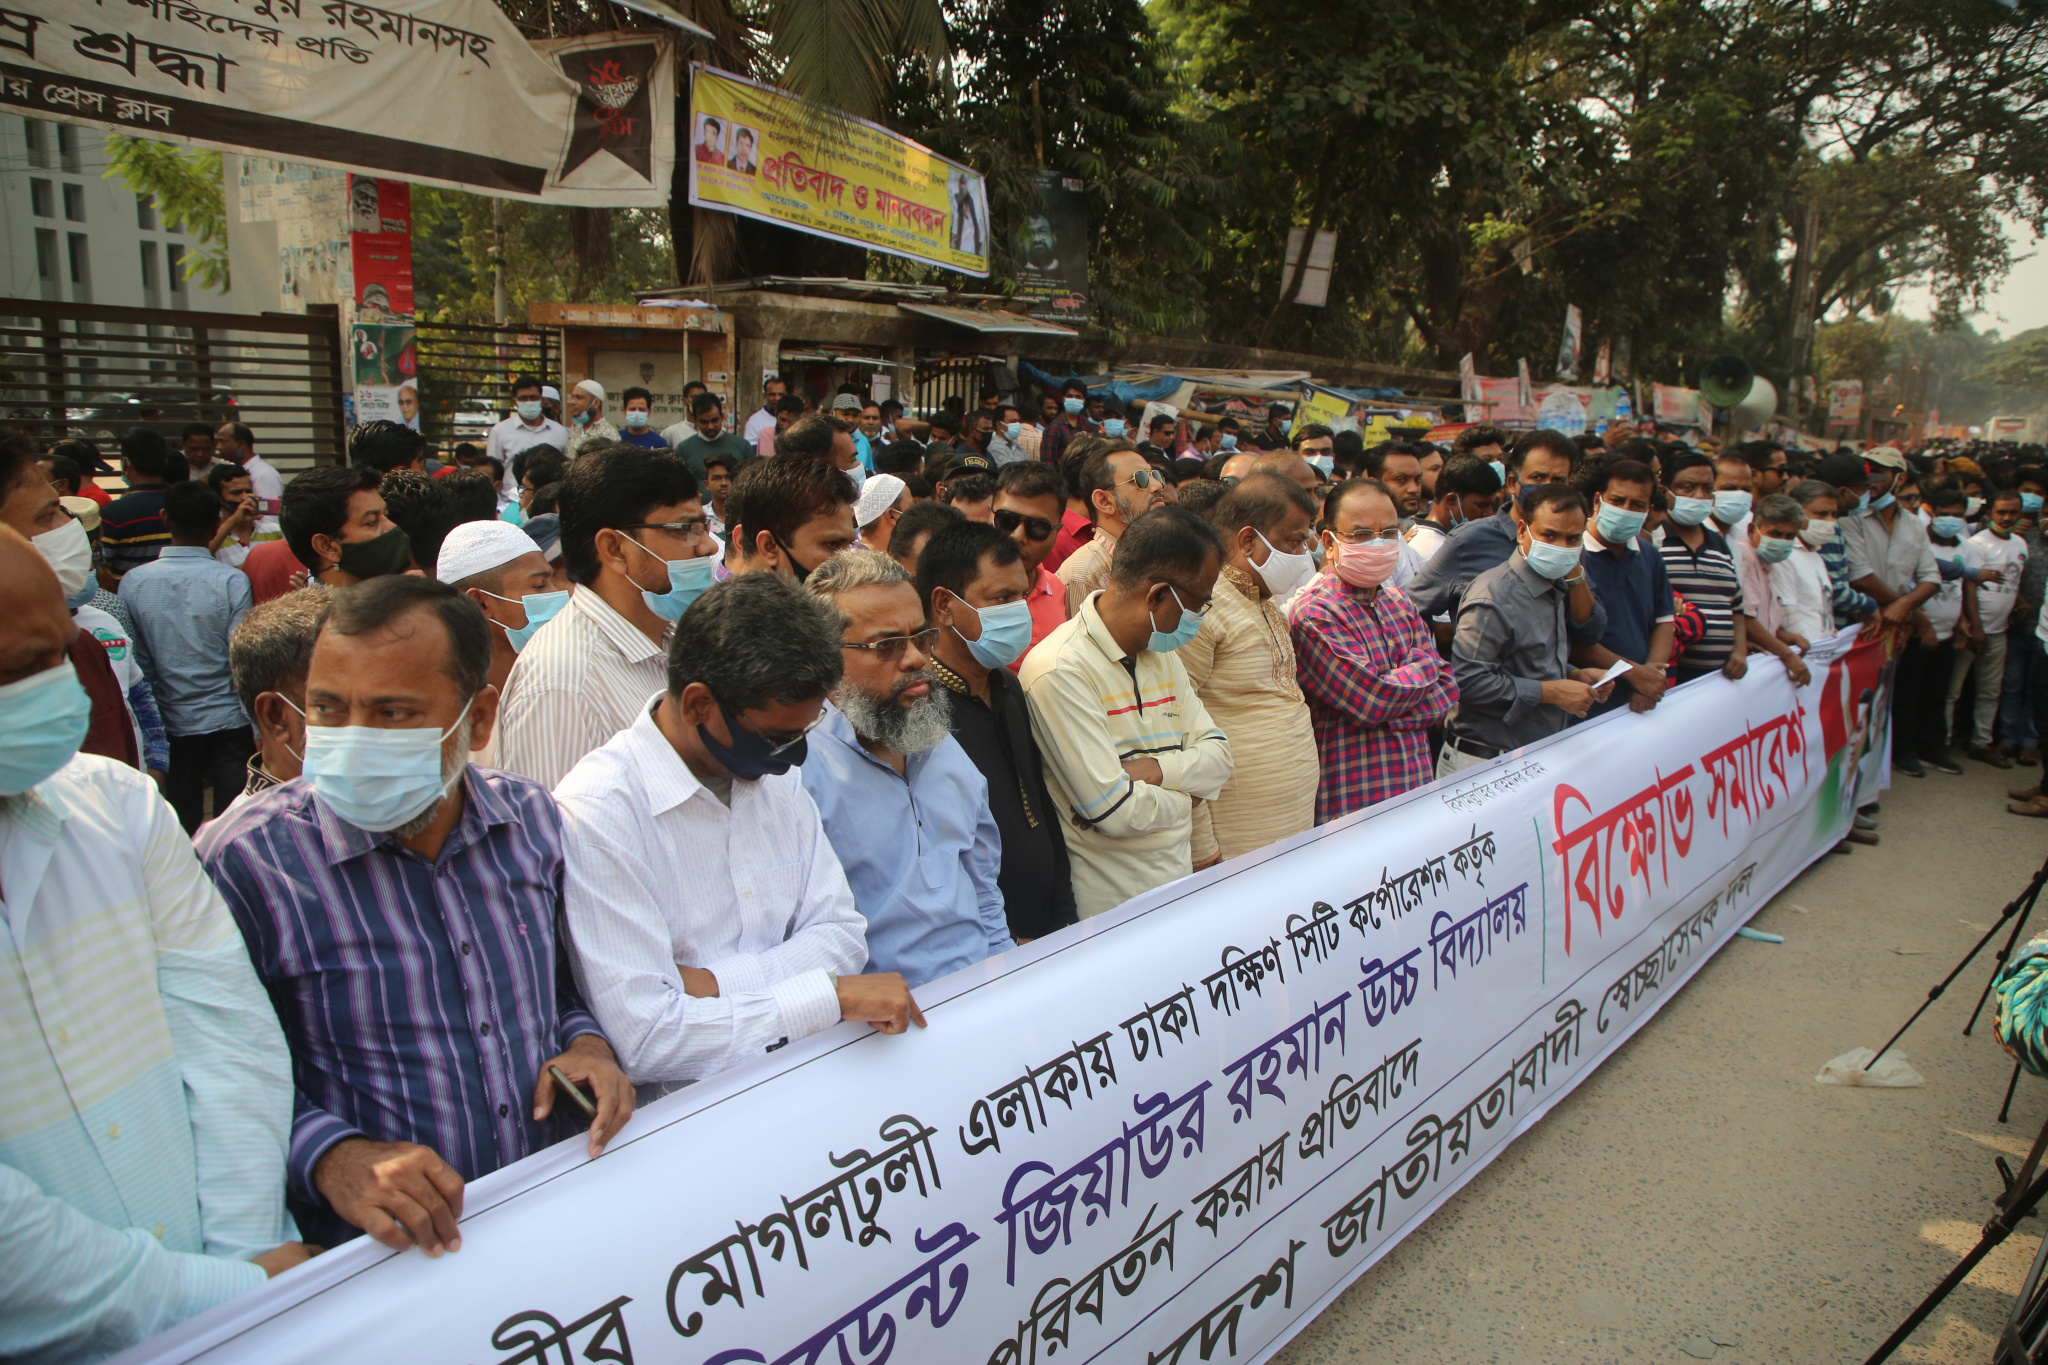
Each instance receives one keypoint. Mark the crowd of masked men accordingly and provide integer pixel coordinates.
(365, 832)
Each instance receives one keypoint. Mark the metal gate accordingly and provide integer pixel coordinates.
(962, 377)
(92, 371)
(466, 373)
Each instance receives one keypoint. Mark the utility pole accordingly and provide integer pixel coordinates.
(501, 300)
(1802, 307)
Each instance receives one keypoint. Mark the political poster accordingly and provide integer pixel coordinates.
(1053, 271)
(385, 358)
(1845, 402)
(763, 153)
(1168, 1134)
(622, 145)
(380, 248)
(438, 92)
(1568, 346)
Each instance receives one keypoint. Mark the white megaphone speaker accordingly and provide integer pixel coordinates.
(1757, 407)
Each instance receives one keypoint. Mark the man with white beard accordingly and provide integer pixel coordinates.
(905, 808)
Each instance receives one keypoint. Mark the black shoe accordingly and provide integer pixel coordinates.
(1908, 765)
(1944, 764)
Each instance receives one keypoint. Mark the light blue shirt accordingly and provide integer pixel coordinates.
(921, 852)
(148, 1089)
(864, 450)
(185, 604)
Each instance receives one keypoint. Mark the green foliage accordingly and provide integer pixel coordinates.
(551, 253)
(189, 194)
(2020, 368)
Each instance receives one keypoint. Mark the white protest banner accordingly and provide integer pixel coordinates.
(441, 92)
(1167, 1135)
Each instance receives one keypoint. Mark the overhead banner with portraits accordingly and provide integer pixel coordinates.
(763, 153)
(1169, 1134)
(439, 92)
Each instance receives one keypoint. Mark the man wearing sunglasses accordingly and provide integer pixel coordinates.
(1030, 499)
(905, 808)
(1120, 487)
(1128, 747)
(636, 545)
(708, 918)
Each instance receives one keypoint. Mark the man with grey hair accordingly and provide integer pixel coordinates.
(709, 920)
(906, 809)
(268, 656)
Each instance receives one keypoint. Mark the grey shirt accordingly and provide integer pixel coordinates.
(1002, 450)
(1511, 640)
(1469, 551)
(1901, 557)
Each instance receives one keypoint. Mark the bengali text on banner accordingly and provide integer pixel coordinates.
(1166, 1135)
(763, 153)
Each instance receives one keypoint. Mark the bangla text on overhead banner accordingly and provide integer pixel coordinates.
(1166, 1135)
(763, 153)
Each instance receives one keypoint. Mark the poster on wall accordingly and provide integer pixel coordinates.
(386, 363)
(1054, 270)
(1845, 402)
(380, 248)
(438, 92)
(763, 153)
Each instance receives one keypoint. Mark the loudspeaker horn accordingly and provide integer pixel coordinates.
(1726, 380)
(1757, 408)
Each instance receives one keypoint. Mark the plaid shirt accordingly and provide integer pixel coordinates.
(1375, 683)
(1850, 605)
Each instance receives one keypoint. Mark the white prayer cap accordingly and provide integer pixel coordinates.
(551, 393)
(877, 496)
(593, 388)
(478, 547)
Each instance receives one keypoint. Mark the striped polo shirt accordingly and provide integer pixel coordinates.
(1707, 578)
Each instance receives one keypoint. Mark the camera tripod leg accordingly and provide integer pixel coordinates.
(2010, 1086)
(2025, 900)
(2030, 896)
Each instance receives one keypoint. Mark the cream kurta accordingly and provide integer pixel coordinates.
(1242, 666)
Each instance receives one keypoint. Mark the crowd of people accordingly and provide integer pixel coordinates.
(364, 833)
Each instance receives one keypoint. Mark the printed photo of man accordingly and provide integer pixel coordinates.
(710, 140)
(742, 159)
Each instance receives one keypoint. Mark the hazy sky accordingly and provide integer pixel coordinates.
(2020, 303)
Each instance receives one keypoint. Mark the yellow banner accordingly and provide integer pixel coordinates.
(763, 153)
(1323, 408)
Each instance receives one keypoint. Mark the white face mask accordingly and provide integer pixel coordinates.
(1282, 573)
(68, 552)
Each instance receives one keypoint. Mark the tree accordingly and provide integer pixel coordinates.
(189, 195)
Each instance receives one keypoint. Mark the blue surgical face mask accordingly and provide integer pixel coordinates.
(1227, 442)
(1112, 427)
(581, 419)
(1012, 430)
(1552, 561)
(687, 581)
(2030, 503)
(1005, 633)
(858, 474)
(540, 609)
(1949, 528)
(1167, 641)
(377, 779)
(1618, 525)
(528, 409)
(1879, 504)
(751, 758)
(43, 719)
(1691, 511)
(1731, 506)
(1772, 549)
(637, 420)
(1073, 405)
(1325, 465)
(1500, 471)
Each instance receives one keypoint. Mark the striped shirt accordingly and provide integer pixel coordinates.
(1087, 568)
(1092, 707)
(420, 999)
(581, 679)
(1710, 581)
(148, 1091)
(1849, 603)
(132, 530)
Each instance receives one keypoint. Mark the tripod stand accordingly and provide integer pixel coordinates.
(2017, 909)
(2022, 1193)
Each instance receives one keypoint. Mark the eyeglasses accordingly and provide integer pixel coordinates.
(1146, 478)
(890, 648)
(777, 746)
(1037, 528)
(688, 530)
(1365, 535)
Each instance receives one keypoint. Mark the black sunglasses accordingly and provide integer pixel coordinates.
(1038, 528)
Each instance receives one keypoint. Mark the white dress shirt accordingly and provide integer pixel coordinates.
(1805, 594)
(148, 1091)
(759, 421)
(660, 872)
(512, 435)
(580, 680)
(264, 482)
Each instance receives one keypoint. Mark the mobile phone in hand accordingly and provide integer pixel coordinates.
(583, 1101)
